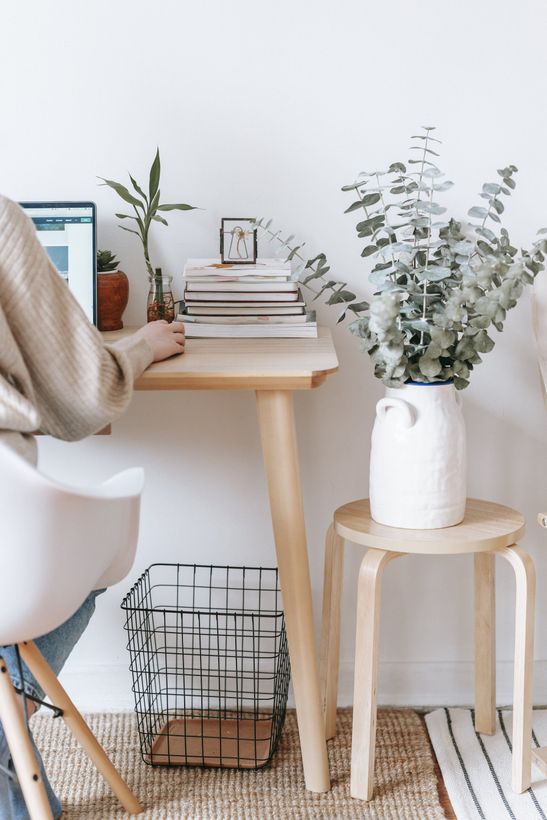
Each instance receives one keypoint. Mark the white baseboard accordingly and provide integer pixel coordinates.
(107, 688)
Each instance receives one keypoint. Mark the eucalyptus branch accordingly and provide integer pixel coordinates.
(442, 290)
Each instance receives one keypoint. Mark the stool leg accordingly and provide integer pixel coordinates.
(525, 577)
(485, 643)
(77, 725)
(22, 753)
(363, 744)
(330, 632)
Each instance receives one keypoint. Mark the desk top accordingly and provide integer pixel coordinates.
(242, 364)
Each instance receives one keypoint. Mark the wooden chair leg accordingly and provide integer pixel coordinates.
(485, 642)
(22, 753)
(330, 633)
(525, 577)
(77, 725)
(363, 744)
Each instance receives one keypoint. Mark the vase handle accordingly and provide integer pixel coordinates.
(404, 409)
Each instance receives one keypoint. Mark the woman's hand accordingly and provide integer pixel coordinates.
(165, 339)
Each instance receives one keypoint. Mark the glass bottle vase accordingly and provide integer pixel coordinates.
(160, 303)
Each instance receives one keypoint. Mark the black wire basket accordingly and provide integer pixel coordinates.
(210, 664)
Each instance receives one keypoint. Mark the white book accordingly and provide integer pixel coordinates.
(234, 278)
(207, 309)
(238, 296)
(214, 267)
(259, 319)
(242, 287)
(206, 331)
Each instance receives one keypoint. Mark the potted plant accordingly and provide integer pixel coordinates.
(112, 291)
(147, 209)
(440, 285)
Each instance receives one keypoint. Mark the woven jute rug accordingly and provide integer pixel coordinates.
(405, 776)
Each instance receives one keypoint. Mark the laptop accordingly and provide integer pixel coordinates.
(67, 230)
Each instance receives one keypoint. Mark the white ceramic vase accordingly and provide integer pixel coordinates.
(418, 457)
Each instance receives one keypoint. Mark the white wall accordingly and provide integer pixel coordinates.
(268, 109)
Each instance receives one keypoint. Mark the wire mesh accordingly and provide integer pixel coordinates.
(210, 664)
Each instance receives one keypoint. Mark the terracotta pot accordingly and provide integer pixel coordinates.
(112, 296)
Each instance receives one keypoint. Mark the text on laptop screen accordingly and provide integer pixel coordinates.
(67, 234)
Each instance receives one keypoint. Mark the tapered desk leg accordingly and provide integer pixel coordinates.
(276, 419)
(485, 643)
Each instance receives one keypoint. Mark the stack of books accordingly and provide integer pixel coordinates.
(231, 300)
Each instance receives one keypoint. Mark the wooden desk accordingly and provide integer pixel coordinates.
(273, 368)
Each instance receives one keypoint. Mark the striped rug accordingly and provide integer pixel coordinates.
(477, 768)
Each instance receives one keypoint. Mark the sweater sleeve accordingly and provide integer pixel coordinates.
(79, 383)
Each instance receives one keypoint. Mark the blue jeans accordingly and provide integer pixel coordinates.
(56, 646)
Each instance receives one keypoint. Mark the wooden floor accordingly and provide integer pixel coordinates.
(441, 788)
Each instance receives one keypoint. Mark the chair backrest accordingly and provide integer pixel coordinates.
(57, 543)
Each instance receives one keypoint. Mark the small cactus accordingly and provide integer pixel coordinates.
(106, 262)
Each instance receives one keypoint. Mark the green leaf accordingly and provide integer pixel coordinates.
(487, 233)
(340, 296)
(432, 171)
(122, 192)
(176, 207)
(353, 186)
(135, 185)
(154, 179)
(126, 216)
(371, 199)
(444, 186)
(434, 274)
(478, 213)
(430, 207)
(129, 230)
(358, 307)
(369, 250)
(491, 188)
(430, 367)
(354, 206)
(160, 219)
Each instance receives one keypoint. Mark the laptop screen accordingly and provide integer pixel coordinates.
(67, 232)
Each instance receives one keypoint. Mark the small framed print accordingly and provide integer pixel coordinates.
(238, 242)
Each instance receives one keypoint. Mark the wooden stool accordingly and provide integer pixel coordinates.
(487, 530)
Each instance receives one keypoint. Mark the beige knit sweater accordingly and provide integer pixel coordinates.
(56, 374)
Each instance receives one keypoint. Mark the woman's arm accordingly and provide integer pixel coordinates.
(79, 383)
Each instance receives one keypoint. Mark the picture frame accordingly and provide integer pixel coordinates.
(238, 241)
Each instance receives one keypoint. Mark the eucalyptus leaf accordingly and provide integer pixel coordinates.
(478, 213)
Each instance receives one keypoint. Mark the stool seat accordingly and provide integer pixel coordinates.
(486, 526)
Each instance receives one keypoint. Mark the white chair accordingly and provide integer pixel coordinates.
(58, 544)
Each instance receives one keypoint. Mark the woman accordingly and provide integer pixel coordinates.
(56, 376)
